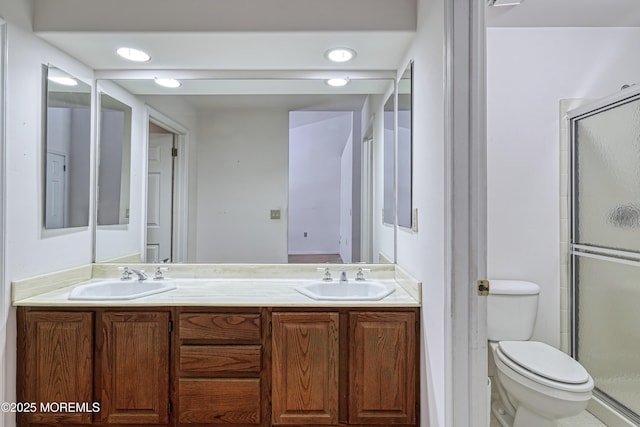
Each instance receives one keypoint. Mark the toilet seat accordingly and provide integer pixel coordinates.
(544, 360)
(544, 365)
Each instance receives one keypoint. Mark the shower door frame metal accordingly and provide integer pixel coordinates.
(625, 96)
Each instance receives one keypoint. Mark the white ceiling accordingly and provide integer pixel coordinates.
(183, 45)
(236, 51)
(276, 34)
(273, 36)
(566, 13)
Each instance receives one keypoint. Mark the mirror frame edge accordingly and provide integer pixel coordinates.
(411, 227)
(44, 90)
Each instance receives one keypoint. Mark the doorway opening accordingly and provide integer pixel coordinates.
(167, 190)
(324, 187)
(160, 194)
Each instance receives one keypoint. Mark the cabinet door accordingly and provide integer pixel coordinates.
(55, 365)
(134, 362)
(305, 368)
(382, 368)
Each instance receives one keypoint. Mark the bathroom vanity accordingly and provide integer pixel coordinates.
(182, 359)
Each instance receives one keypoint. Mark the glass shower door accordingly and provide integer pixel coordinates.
(605, 248)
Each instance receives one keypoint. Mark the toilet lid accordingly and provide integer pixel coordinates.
(544, 360)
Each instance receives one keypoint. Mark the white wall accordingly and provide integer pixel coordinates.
(79, 167)
(29, 252)
(112, 129)
(346, 201)
(529, 70)
(422, 254)
(242, 175)
(315, 180)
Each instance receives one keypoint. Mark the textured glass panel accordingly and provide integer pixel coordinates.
(609, 327)
(607, 178)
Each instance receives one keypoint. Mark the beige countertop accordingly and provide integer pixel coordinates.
(229, 287)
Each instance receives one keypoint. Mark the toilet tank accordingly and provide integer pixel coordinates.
(512, 306)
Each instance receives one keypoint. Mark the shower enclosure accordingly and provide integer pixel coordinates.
(605, 247)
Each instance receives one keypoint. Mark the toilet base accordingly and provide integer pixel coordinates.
(526, 418)
(498, 411)
(523, 418)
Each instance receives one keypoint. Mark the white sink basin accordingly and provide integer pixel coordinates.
(120, 289)
(353, 290)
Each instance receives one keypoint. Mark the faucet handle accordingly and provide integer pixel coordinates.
(160, 273)
(126, 273)
(327, 274)
(360, 273)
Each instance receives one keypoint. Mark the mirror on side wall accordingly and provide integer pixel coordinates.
(405, 148)
(67, 150)
(114, 170)
(389, 160)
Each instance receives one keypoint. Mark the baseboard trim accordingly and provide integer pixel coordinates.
(607, 414)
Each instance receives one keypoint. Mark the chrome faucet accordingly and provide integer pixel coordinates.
(140, 273)
(360, 273)
(128, 272)
(159, 275)
(327, 274)
(343, 277)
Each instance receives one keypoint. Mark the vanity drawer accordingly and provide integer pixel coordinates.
(220, 327)
(219, 401)
(209, 360)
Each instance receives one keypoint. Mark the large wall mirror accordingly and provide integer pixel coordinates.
(114, 170)
(273, 170)
(405, 148)
(67, 150)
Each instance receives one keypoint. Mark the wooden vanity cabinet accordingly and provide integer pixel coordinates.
(239, 367)
(118, 360)
(134, 367)
(382, 368)
(221, 375)
(305, 360)
(55, 364)
(347, 367)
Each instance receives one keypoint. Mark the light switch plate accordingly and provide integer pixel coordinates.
(414, 220)
(275, 213)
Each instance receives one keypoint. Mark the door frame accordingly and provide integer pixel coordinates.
(366, 201)
(181, 183)
(466, 357)
(5, 295)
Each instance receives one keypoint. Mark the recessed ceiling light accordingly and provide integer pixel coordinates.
(66, 81)
(340, 54)
(133, 54)
(172, 83)
(338, 82)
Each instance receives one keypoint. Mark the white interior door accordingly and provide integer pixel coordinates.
(56, 190)
(159, 197)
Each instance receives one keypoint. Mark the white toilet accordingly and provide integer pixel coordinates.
(538, 384)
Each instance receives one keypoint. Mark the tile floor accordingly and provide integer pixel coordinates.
(585, 419)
